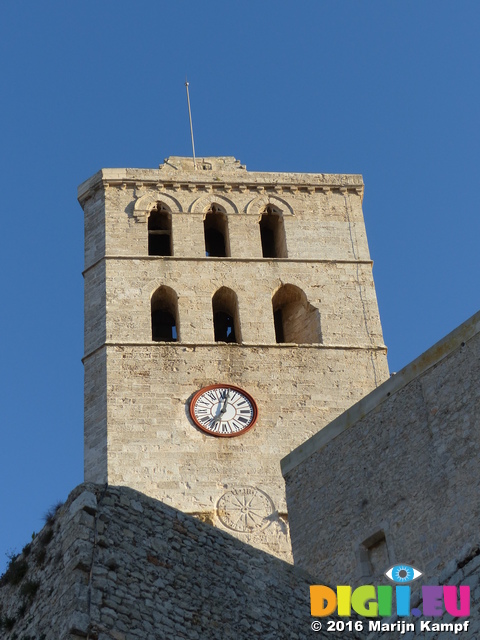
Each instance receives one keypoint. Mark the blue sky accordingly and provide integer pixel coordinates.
(388, 89)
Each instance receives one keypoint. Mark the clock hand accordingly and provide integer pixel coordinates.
(223, 410)
(225, 404)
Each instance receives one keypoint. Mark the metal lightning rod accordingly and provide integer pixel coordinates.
(191, 126)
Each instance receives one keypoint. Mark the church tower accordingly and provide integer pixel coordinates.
(229, 315)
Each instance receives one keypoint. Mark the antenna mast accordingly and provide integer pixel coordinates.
(191, 126)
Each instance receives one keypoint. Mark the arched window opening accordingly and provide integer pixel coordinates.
(272, 233)
(216, 232)
(165, 315)
(160, 231)
(295, 319)
(225, 316)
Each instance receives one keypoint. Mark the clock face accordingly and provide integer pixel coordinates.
(223, 410)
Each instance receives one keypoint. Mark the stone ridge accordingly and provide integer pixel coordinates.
(120, 566)
(210, 163)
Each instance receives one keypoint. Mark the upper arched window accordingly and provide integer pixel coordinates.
(165, 315)
(225, 316)
(160, 231)
(216, 232)
(272, 233)
(296, 320)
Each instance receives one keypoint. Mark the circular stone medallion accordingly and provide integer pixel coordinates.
(245, 509)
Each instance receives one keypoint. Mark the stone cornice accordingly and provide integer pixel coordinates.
(212, 260)
(258, 183)
(243, 346)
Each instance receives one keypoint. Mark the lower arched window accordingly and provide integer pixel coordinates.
(295, 319)
(165, 315)
(225, 316)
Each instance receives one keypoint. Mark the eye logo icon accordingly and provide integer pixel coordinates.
(403, 573)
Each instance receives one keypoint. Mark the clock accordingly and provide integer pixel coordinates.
(223, 410)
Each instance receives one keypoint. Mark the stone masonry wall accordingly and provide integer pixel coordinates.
(343, 293)
(122, 566)
(113, 564)
(156, 449)
(95, 417)
(44, 592)
(395, 479)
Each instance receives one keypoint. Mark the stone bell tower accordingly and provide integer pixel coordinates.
(229, 315)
